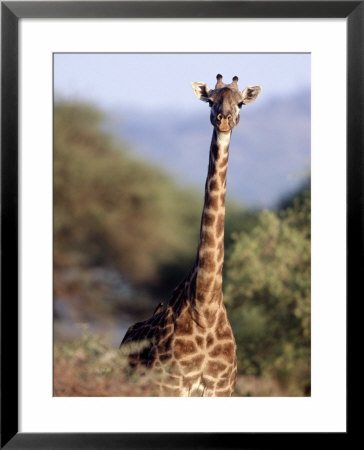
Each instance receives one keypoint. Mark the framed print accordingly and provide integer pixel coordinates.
(104, 151)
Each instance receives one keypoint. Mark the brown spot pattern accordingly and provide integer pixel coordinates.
(173, 381)
(211, 201)
(210, 317)
(222, 318)
(210, 384)
(214, 367)
(204, 284)
(193, 363)
(223, 162)
(216, 351)
(225, 374)
(220, 225)
(178, 349)
(184, 327)
(207, 239)
(209, 340)
(185, 347)
(223, 332)
(207, 261)
(222, 383)
(218, 284)
(213, 185)
(222, 175)
(228, 352)
(208, 219)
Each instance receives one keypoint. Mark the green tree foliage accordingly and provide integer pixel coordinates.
(111, 209)
(268, 294)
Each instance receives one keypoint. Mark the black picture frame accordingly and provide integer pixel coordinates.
(11, 12)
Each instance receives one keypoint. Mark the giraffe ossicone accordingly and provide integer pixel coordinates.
(188, 343)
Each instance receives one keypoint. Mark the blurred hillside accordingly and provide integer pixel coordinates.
(113, 209)
(269, 158)
(125, 232)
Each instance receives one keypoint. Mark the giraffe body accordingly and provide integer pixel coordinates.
(190, 353)
(188, 343)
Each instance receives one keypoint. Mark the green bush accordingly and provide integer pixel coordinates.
(268, 293)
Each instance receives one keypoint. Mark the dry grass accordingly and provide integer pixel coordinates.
(252, 386)
(89, 367)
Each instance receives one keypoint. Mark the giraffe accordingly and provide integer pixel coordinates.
(188, 344)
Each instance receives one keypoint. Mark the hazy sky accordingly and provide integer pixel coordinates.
(158, 80)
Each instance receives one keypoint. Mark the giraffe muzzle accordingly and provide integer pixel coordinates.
(224, 124)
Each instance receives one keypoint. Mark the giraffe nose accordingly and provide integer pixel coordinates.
(224, 124)
(220, 117)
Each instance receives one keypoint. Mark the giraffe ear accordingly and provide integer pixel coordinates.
(201, 91)
(250, 94)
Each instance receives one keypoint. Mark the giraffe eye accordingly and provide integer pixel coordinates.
(210, 103)
(240, 104)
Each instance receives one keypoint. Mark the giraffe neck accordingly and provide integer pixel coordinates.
(210, 253)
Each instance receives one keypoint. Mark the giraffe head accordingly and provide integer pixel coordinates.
(225, 101)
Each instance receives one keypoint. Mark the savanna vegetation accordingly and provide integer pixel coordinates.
(267, 291)
(125, 234)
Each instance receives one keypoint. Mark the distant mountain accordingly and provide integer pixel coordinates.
(269, 152)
